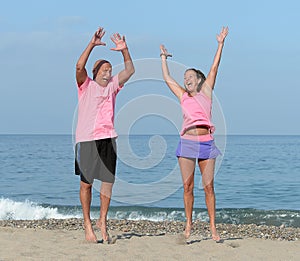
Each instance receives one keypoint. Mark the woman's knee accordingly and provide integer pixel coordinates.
(188, 187)
(209, 189)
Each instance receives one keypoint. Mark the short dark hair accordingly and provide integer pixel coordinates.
(200, 75)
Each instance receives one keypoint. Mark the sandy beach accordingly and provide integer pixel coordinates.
(144, 240)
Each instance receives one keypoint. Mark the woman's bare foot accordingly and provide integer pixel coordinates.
(187, 231)
(102, 226)
(214, 234)
(89, 233)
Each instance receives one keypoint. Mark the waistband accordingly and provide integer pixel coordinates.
(205, 137)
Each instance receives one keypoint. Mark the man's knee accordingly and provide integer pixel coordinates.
(106, 189)
(85, 186)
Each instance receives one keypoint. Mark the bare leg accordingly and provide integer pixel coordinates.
(85, 199)
(207, 171)
(105, 195)
(187, 167)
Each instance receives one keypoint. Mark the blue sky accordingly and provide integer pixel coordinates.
(258, 84)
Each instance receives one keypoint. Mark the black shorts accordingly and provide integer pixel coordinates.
(96, 160)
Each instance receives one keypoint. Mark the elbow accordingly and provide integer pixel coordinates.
(131, 71)
(214, 70)
(79, 67)
(167, 77)
(129, 68)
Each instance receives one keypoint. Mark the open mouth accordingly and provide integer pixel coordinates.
(189, 85)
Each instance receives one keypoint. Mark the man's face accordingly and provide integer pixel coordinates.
(104, 74)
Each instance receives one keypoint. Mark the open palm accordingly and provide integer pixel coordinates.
(119, 42)
(97, 39)
(221, 37)
(164, 51)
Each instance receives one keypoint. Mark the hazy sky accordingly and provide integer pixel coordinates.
(258, 84)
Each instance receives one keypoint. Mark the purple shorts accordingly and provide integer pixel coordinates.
(197, 149)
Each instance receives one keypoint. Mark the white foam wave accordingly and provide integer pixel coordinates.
(151, 216)
(28, 210)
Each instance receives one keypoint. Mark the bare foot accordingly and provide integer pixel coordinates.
(214, 234)
(181, 240)
(187, 231)
(102, 226)
(89, 234)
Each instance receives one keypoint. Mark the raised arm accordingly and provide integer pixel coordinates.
(121, 45)
(211, 77)
(81, 72)
(172, 84)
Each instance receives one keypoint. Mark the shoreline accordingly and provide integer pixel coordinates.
(158, 228)
(63, 239)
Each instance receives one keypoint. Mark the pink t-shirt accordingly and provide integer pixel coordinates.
(196, 110)
(96, 107)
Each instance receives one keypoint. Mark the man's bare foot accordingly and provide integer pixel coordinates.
(102, 226)
(89, 234)
(187, 231)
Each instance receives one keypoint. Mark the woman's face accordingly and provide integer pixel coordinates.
(191, 81)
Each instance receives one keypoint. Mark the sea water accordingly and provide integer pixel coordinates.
(257, 180)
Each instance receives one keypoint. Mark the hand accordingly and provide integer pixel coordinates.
(119, 42)
(96, 40)
(221, 37)
(163, 51)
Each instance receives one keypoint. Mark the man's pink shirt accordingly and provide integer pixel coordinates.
(96, 107)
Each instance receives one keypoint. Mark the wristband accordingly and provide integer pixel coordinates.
(166, 55)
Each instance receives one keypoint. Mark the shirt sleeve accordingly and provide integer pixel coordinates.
(85, 84)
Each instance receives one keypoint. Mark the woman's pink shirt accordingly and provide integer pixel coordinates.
(196, 110)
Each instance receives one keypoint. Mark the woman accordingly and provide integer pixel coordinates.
(196, 140)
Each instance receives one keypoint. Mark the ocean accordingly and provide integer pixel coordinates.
(257, 180)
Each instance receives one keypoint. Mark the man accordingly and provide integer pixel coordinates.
(95, 132)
